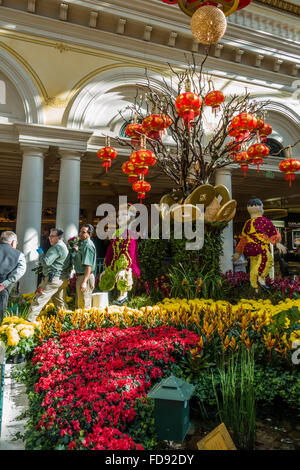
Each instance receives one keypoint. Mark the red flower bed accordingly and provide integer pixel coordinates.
(88, 382)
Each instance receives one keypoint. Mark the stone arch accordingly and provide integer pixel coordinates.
(285, 123)
(98, 103)
(22, 99)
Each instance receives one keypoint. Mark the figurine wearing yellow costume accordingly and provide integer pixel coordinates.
(257, 234)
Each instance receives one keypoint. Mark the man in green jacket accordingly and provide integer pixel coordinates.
(55, 265)
(84, 258)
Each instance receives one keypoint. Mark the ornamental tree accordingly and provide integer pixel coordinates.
(189, 158)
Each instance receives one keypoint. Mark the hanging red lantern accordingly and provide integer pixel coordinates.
(257, 152)
(188, 106)
(135, 132)
(107, 154)
(243, 159)
(214, 99)
(153, 125)
(244, 122)
(129, 169)
(289, 166)
(238, 135)
(141, 160)
(264, 131)
(141, 187)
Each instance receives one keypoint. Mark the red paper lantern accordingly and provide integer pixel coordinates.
(214, 99)
(289, 166)
(141, 160)
(244, 122)
(154, 124)
(237, 134)
(243, 159)
(129, 169)
(141, 187)
(107, 154)
(257, 152)
(188, 106)
(135, 132)
(264, 131)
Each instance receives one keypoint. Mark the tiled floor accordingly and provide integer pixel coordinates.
(14, 404)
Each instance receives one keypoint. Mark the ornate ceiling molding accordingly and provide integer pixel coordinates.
(282, 5)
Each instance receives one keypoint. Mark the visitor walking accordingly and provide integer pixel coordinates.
(84, 259)
(12, 267)
(55, 265)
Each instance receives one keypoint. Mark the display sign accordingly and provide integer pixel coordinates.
(218, 439)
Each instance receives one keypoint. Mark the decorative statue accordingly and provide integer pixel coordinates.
(121, 259)
(257, 234)
(216, 210)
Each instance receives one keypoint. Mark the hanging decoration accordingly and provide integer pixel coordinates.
(135, 132)
(129, 169)
(244, 122)
(264, 131)
(257, 152)
(289, 166)
(141, 187)
(243, 159)
(240, 136)
(208, 19)
(107, 154)
(214, 99)
(188, 105)
(154, 125)
(142, 159)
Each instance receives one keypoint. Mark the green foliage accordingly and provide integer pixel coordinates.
(204, 260)
(142, 430)
(236, 399)
(107, 281)
(152, 258)
(138, 302)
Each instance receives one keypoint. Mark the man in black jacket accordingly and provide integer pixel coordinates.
(12, 267)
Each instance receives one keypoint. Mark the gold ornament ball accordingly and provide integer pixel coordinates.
(208, 24)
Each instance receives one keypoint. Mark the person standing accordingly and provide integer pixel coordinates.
(55, 265)
(84, 259)
(12, 267)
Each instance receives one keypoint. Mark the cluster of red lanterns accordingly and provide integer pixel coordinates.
(136, 168)
(241, 128)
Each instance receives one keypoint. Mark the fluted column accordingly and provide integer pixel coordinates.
(29, 214)
(68, 200)
(223, 176)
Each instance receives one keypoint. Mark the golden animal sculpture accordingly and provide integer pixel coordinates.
(216, 200)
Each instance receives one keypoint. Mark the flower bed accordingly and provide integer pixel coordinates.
(88, 383)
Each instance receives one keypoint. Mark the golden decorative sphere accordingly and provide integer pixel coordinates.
(208, 24)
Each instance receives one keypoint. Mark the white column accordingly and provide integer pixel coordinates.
(223, 176)
(68, 200)
(29, 214)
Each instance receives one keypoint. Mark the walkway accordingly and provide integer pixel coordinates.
(14, 404)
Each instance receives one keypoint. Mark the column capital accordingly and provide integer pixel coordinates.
(224, 171)
(66, 154)
(33, 151)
